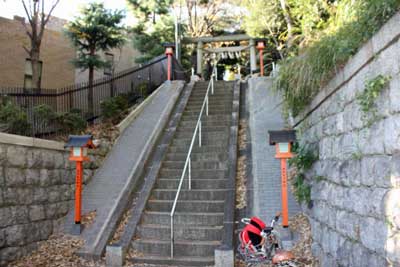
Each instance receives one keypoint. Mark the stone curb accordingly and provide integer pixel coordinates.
(136, 112)
(224, 255)
(13, 139)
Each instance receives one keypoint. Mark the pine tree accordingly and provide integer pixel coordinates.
(96, 29)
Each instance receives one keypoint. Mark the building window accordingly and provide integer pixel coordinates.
(28, 73)
(110, 60)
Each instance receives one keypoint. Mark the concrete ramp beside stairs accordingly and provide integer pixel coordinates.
(265, 112)
(110, 189)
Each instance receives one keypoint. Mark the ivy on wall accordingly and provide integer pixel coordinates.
(367, 98)
(302, 161)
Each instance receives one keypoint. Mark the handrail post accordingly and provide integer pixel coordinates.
(200, 134)
(190, 174)
(207, 105)
(212, 87)
(172, 236)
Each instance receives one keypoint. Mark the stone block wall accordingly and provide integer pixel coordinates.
(36, 192)
(355, 216)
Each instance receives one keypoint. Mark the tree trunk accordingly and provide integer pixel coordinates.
(35, 62)
(90, 93)
(289, 23)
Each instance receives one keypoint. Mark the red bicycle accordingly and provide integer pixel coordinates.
(262, 244)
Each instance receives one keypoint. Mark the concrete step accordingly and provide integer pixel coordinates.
(181, 232)
(196, 183)
(181, 248)
(186, 205)
(224, 106)
(216, 96)
(219, 142)
(219, 98)
(217, 89)
(196, 174)
(201, 96)
(176, 261)
(204, 156)
(188, 219)
(217, 117)
(211, 111)
(203, 165)
(185, 134)
(205, 123)
(196, 149)
(194, 194)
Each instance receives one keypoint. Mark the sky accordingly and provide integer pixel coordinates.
(66, 9)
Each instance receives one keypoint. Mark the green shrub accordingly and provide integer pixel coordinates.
(302, 190)
(300, 78)
(303, 160)
(13, 119)
(112, 108)
(70, 122)
(44, 114)
(143, 89)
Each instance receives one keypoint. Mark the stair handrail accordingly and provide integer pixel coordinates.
(188, 160)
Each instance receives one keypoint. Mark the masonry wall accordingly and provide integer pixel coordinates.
(36, 192)
(355, 216)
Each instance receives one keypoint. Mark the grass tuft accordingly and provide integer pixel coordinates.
(300, 78)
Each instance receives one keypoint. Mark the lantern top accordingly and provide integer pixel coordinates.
(282, 136)
(169, 51)
(80, 141)
(166, 45)
(260, 45)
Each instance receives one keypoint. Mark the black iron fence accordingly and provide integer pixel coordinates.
(137, 82)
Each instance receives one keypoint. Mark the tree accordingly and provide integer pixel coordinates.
(287, 24)
(144, 9)
(96, 29)
(35, 12)
(149, 40)
(203, 16)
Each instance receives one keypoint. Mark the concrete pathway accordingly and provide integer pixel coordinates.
(265, 115)
(114, 181)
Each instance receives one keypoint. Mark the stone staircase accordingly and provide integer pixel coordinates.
(199, 214)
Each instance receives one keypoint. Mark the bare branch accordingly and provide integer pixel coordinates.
(26, 50)
(26, 29)
(28, 14)
(47, 18)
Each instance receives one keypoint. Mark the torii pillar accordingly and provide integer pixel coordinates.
(200, 58)
(253, 59)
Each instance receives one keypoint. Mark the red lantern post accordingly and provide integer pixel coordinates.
(79, 146)
(169, 52)
(283, 141)
(260, 47)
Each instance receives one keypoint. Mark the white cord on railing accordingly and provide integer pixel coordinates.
(188, 164)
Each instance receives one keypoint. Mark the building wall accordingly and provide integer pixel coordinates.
(56, 54)
(124, 58)
(355, 218)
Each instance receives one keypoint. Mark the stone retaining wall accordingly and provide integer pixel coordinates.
(355, 216)
(36, 189)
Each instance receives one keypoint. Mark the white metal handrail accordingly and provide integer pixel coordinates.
(187, 166)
